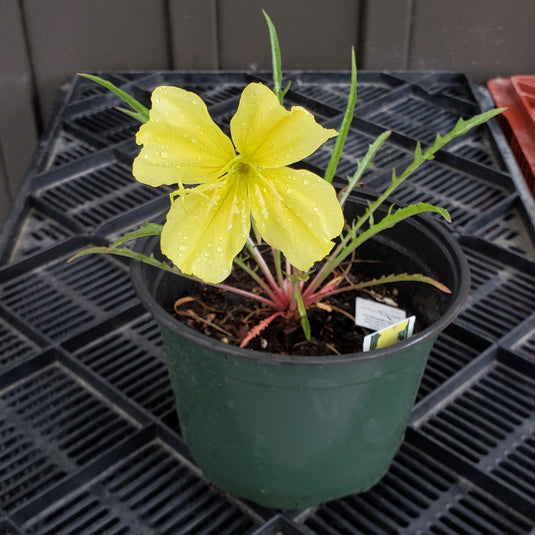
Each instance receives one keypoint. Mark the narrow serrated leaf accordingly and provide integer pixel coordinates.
(402, 277)
(275, 59)
(134, 114)
(346, 123)
(148, 229)
(129, 99)
(363, 164)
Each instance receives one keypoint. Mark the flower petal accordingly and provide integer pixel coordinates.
(207, 228)
(296, 212)
(268, 135)
(181, 142)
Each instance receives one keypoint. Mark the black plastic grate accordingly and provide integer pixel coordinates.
(525, 345)
(356, 147)
(132, 360)
(451, 85)
(413, 117)
(38, 231)
(502, 297)
(81, 514)
(65, 298)
(332, 89)
(228, 87)
(14, 346)
(25, 470)
(452, 351)
(414, 484)
(100, 195)
(109, 124)
(508, 230)
(65, 414)
(89, 440)
(490, 425)
(85, 89)
(518, 467)
(279, 525)
(66, 149)
(149, 491)
(463, 195)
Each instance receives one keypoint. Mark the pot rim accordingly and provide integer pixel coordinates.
(432, 330)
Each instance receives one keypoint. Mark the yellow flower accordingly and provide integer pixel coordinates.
(293, 210)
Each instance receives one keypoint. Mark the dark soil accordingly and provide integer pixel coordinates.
(229, 318)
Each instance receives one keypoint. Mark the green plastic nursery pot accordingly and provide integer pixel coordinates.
(291, 431)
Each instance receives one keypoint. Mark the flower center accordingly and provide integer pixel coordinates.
(243, 168)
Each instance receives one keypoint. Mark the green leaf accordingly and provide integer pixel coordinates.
(305, 324)
(275, 60)
(134, 114)
(346, 123)
(128, 253)
(401, 277)
(364, 164)
(142, 112)
(148, 229)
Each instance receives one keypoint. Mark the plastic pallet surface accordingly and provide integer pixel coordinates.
(89, 439)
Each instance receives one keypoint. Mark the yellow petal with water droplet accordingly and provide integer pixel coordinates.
(213, 222)
(268, 135)
(296, 212)
(180, 141)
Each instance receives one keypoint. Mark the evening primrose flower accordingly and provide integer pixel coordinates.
(240, 182)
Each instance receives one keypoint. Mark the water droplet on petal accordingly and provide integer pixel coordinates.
(182, 247)
(164, 154)
(219, 249)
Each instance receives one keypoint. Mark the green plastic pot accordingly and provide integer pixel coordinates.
(291, 431)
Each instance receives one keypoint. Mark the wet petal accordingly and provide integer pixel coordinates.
(207, 228)
(296, 212)
(180, 141)
(268, 135)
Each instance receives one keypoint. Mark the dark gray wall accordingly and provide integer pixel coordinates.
(42, 42)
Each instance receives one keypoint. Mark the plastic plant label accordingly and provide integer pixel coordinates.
(373, 315)
(390, 335)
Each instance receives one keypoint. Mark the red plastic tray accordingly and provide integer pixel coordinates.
(517, 94)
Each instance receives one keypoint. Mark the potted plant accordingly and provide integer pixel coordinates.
(249, 279)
